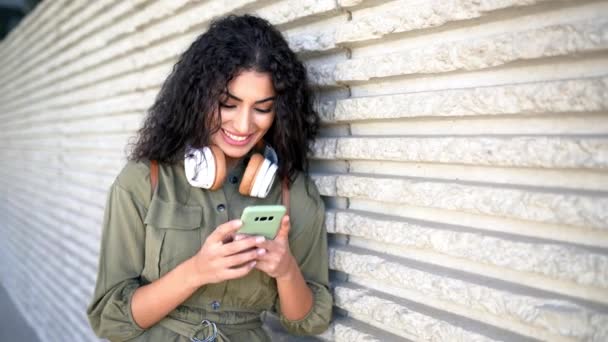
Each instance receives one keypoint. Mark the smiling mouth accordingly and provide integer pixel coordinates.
(236, 137)
(236, 140)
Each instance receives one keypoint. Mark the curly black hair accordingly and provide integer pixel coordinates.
(183, 112)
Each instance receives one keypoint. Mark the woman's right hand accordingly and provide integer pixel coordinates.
(218, 260)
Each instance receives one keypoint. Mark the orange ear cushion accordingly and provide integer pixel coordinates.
(220, 167)
(253, 167)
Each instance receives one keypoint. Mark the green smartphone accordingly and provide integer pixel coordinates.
(262, 220)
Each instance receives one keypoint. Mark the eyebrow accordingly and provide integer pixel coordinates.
(259, 101)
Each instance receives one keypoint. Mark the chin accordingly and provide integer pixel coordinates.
(236, 152)
(235, 155)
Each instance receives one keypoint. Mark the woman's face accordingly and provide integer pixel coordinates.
(247, 112)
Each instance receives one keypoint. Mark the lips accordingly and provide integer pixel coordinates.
(237, 140)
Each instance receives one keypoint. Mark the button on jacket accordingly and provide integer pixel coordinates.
(146, 234)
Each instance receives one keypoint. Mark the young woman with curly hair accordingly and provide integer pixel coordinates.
(235, 111)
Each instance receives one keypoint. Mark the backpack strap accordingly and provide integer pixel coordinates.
(153, 175)
(285, 193)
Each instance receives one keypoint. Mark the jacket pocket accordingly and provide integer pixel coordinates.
(175, 233)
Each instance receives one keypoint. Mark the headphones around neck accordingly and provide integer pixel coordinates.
(206, 168)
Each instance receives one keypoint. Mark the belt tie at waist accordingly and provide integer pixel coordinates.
(205, 323)
(206, 331)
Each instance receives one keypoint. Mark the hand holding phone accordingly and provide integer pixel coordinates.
(264, 220)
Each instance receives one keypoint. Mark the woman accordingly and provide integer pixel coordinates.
(172, 266)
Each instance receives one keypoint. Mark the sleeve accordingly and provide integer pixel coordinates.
(121, 262)
(309, 248)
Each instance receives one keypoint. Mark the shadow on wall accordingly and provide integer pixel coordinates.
(13, 326)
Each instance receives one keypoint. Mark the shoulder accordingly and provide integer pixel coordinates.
(307, 208)
(135, 179)
(304, 190)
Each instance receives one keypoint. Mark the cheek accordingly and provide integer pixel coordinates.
(226, 115)
(265, 122)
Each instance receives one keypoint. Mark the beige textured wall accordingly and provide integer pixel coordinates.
(463, 156)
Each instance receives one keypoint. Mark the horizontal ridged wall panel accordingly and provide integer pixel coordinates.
(463, 157)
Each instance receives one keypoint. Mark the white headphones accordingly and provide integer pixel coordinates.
(206, 168)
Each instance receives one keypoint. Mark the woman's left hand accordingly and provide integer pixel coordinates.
(277, 260)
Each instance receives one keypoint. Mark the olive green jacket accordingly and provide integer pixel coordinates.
(146, 234)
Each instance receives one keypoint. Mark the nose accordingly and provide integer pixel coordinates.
(242, 121)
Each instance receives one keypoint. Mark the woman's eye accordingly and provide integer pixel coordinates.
(263, 110)
(225, 105)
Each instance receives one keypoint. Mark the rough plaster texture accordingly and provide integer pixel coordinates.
(540, 206)
(462, 157)
(480, 53)
(558, 317)
(397, 316)
(539, 152)
(553, 260)
(403, 16)
(585, 95)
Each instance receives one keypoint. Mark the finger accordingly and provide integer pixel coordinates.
(241, 245)
(269, 245)
(224, 230)
(264, 256)
(283, 233)
(240, 258)
(238, 237)
(266, 267)
(238, 272)
(229, 238)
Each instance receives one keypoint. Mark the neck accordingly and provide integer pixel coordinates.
(231, 163)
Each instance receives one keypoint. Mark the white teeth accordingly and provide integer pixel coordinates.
(235, 137)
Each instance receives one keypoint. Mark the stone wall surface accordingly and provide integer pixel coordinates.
(463, 157)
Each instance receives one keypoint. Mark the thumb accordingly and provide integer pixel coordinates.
(283, 233)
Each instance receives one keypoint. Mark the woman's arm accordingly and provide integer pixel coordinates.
(308, 251)
(116, 312)
(278, 262)
(152, 302)
(215, 262)
(121, 261)
(295, 296)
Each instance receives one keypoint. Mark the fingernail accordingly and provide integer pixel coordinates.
(261, 251)
(238, 223)
(238, 237)
(252, 264)
(260, 239)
